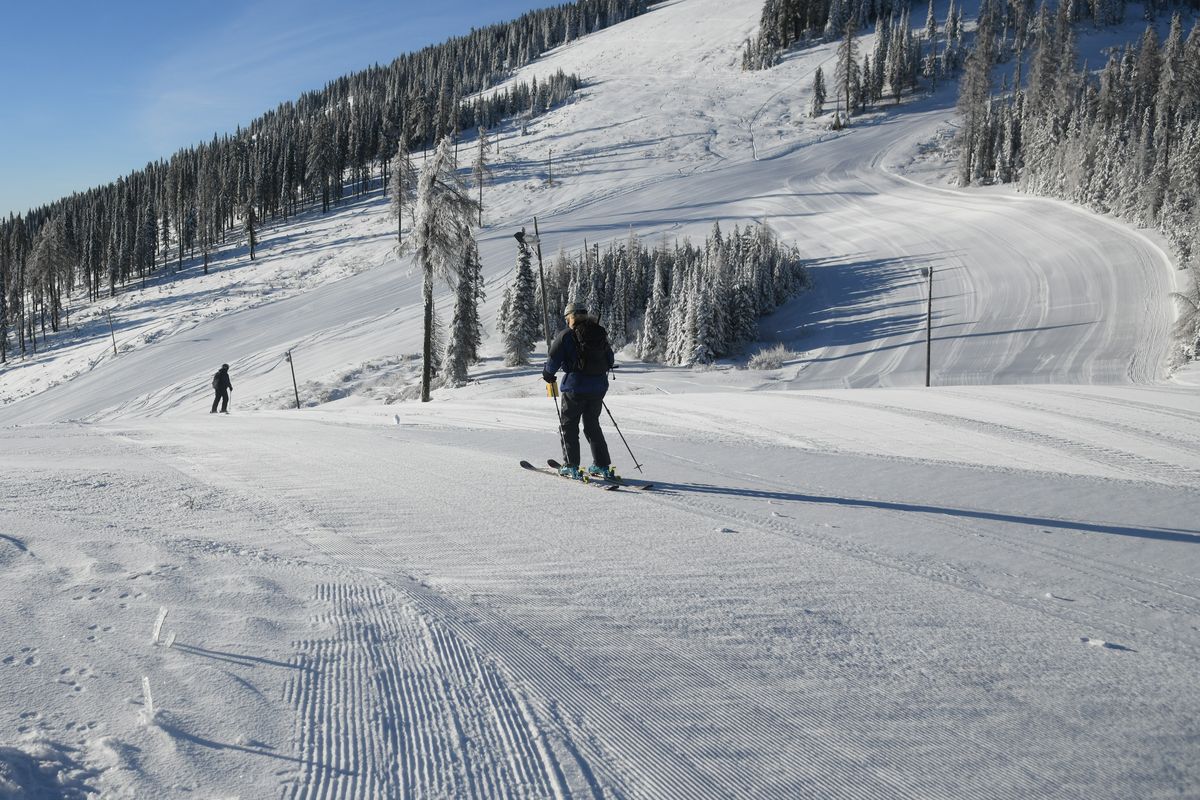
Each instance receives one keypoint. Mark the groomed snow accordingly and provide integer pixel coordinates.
(843, 585)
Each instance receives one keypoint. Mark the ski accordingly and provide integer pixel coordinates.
(606, 486)
(614, 481)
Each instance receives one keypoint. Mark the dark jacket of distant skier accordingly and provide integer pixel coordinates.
(582, 351)
(222, 385)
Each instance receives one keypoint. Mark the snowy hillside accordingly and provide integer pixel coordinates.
(842, 585)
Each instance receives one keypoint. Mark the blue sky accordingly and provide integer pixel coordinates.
(94, 90)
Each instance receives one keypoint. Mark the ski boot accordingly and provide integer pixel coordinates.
(570, 472)
(603, 473)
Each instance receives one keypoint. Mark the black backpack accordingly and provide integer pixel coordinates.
(591, 345)
(217, 380)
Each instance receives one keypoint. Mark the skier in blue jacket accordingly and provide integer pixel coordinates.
(581, 351)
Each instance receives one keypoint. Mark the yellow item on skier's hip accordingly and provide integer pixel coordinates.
(552, 389)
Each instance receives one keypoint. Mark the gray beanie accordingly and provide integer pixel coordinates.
(574, 308)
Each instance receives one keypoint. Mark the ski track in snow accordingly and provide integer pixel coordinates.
(547, 659)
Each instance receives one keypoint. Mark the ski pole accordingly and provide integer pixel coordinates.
(618, 427)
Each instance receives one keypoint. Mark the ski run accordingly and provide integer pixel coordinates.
(842, 584)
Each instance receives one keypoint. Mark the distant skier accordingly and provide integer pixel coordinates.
(223, 387)
(582, 352)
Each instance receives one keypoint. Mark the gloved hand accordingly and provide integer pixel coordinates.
(549, 378)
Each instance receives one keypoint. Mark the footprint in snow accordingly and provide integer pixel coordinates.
(1051, 596)
(725, 530)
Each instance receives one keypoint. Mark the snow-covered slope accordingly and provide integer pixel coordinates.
(976, 590)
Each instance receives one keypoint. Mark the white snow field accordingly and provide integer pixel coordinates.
(843, 584)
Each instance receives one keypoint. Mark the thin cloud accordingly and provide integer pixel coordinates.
(269, 54)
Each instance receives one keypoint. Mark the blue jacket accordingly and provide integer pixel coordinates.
(564, 355)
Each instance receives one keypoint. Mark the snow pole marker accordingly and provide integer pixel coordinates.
(158, 625)
(927, 272)
(147, 699)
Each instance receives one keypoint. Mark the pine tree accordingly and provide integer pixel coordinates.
(441, 235)
(522, 326)
(704, 346)
(320, 162)
(466, 329)
(249, 227)
(481, 170)
(846, 74)
(653, 340)
(402, 184)
(818, 94)
(973, 100)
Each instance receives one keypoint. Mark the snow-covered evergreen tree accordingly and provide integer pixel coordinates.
(480, 169)
(846, 75)
(818, 94)
(250, 227)
(653, 339)
(401, 187)
(522, 325)
(441, 236)
(466, 328)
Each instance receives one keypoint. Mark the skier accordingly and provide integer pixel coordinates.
(223, 387)
(582, 352)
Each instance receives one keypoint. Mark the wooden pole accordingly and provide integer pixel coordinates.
(295, 388)
(537, 238)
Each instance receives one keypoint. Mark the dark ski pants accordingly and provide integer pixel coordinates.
(586, 407)
(222, 398)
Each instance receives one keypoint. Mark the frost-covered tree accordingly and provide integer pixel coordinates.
(441, 236)
(818, 94)
(522, 325)
(652, 341)
(50, 268)
(466, 329)
(1187, 325)
(402, 184)
(480, 169)
(846, 74)
(974, 97)
(250, 227)
(1125, 141)
(320, 162)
